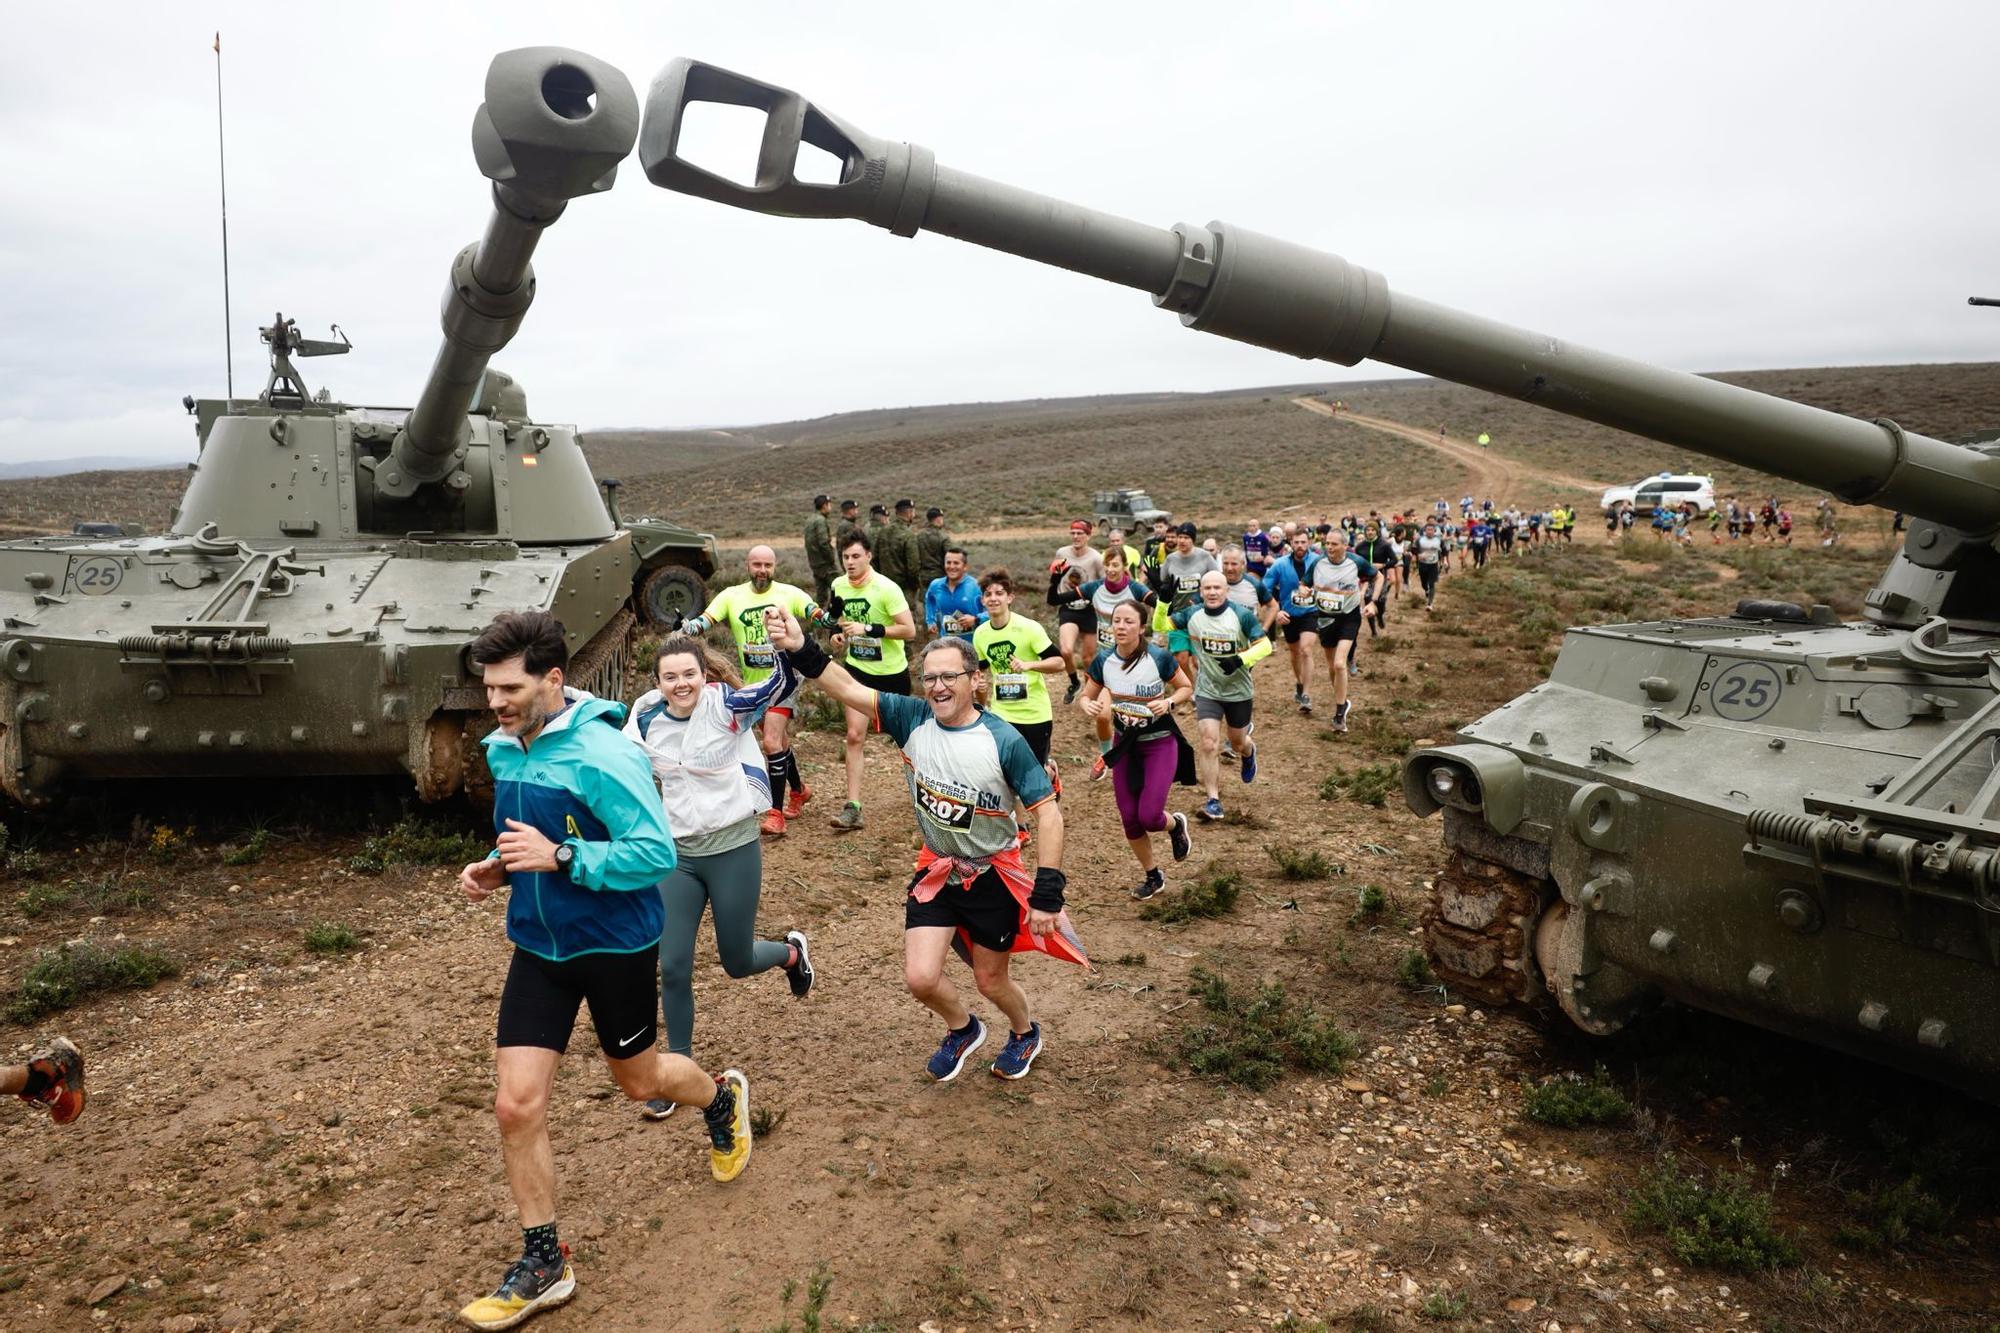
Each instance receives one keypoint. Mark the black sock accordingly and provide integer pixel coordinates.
(38, 1082)
(775, 768)
(792, 771)
(971, 1022)
(1072, 677)
(723, 1108)
(539, 1244)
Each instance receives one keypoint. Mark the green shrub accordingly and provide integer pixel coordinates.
(1569, 1100)
(250, 851)
(59, 978)
(39, 898)
(1413, 971)
(1251, 1042)
(1443, 1305)
(1371, 901)
(1892, 1216)
(1297, 864)
(1724, 1222)
(1213, 895)
(330, 939)
(414, 841)
(1372, 784)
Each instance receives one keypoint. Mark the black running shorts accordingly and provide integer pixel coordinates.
(1333, 629)
(1233, 712)
(538, 1003)
(1300, 625)
(888, 682)
(984, 908)
(1085, 619)
(1037, 735)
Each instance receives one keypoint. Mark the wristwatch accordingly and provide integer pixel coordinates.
(565, 858)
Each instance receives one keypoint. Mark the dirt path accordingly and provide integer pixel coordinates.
(1492, 474)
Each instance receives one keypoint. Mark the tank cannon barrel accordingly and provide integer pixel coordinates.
(554, 126)
(1240, 284)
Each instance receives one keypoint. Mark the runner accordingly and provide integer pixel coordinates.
(1136, 685)
(951, 602)
(585, 919)
(1256, 550)
(1290, 584)
(1114, 540)
(697, 727)
(52, 1078)
(1017, 654)
(1343, 586)
(1076, 624)
(1106, 595)
(1430, 554)
(1380, 552)
(1478, 539)
(1247, 591)
(966, 769)
(875, 623)
(1224, 641)
(741, 608)
(1181, 570)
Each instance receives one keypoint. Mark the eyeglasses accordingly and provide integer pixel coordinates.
(933, 678)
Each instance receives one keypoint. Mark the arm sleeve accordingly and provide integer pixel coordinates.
(897, 715)
(1025, 774)
(618, 788)
(784, 678)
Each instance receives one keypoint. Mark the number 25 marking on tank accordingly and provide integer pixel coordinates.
(97, 576)
(1746, 691)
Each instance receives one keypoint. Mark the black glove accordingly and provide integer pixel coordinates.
(672, 621)
(808, 659)
(1230, 664)
(1047, 895)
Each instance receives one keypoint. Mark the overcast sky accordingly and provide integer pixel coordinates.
(1710, 186)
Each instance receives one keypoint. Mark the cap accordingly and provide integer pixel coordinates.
(819, 500)
(901, 505)
(850, 504)
(878, 509)
(933, 512)
(1188, 530)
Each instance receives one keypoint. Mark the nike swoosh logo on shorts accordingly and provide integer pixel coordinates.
(627, 1041)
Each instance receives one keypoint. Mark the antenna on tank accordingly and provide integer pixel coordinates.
(222, 179)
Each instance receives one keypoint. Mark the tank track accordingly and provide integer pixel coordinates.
(1479, 927)
(600, 665)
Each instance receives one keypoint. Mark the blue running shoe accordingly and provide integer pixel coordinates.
(1211, 810)
(1250, 764)
(954, 1050)
(1019, 1053)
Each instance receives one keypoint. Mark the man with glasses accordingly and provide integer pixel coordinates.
(966, 768)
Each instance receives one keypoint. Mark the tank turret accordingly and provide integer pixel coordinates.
(1769, 814)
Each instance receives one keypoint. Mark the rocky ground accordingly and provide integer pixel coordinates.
(283, 1138)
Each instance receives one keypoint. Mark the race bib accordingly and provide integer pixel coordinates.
(1302, 596)
(1336, 603)
(1104, 632)
(759, 657)
(946, 804)
(1218, 647)
(864, 650)
(1011, 688)
(1131, 712)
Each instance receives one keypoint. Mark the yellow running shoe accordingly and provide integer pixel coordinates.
(529, 1288)
(728, 1118)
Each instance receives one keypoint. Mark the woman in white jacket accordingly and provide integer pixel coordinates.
(700, 729)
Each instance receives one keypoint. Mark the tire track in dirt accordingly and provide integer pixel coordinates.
(1492, 474)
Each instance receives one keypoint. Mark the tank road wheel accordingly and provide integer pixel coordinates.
(1480, 929)
(599, 666)
(670, 594)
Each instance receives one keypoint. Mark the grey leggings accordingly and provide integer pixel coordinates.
(731, 882)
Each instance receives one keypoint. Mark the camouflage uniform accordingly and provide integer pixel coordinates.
(888, 544)
(820, 557)
(931, 541)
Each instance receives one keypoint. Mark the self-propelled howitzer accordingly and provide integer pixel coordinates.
(308, 610)
(1769, 814)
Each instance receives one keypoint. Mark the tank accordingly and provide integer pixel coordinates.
(1766, 813)
(309, 608)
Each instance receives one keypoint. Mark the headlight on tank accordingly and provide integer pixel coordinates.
(1482, 780)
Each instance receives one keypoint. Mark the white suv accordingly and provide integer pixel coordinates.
(1671, 489)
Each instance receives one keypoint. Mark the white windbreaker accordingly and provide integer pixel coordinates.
(710, 767)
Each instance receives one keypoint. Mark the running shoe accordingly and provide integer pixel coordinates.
(1340, 714)
(795, 804)
(1069, 695)
(800, 973)
(1210, 811)
(1019, 1053)
(849, 817)
(61, 1063)
(773, 825)
(1177, 836)
(953, 1051)
(1304, 701)
(1098, 768)
(657, 1109)
(1229, 755)
(1355, 670)
(1250, 764)
(728, 1118)
(531, 1286)
(1154, 882)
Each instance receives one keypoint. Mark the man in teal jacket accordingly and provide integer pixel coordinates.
(582, 843)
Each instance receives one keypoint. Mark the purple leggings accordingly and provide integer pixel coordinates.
(1142, 775)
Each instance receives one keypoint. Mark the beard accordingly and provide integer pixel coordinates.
(760, 585)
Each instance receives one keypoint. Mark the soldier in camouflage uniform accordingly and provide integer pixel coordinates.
(932, 540)
(904, 532)
(819, 549)
(886, 543)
